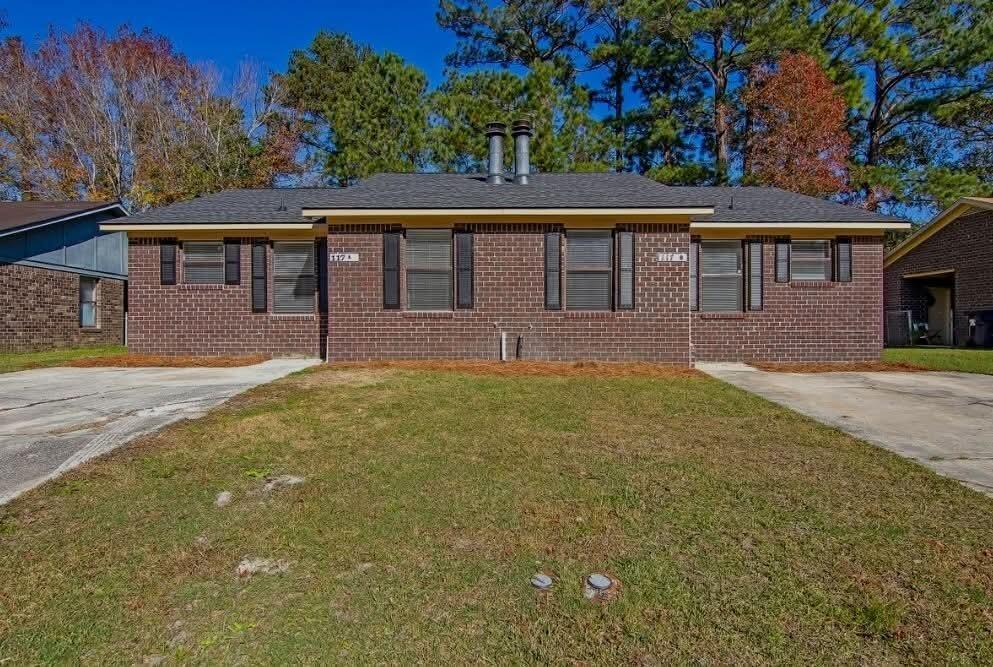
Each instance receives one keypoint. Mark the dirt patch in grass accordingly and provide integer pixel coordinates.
(593, 369)
(161, 361)
(854, 367)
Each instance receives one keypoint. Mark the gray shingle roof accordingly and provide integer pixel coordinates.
(268, 205)
(454, 191)
(15, 214)
(462, 191)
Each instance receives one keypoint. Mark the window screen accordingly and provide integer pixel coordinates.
(87, 301)
(293, 282)
(429, 269)
(810, 260)
(589, 261)
(203, 262)
(720, 276)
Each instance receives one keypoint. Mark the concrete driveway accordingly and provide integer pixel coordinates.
(942, 420)
(54, 419)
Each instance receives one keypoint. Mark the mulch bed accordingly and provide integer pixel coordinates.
(840, 367)
(535, 368)
(161, 361)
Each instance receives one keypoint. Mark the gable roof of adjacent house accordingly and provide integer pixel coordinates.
(962, 207)
(18, 216)
(579, 193)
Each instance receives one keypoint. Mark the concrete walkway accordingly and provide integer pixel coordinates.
(54, 419)
(942, 420)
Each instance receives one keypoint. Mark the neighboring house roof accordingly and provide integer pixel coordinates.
(936, 224)
(21, 215)
(454, 192)
(250, 206)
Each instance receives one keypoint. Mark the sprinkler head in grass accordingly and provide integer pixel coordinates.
(600, 582)
(541, 581)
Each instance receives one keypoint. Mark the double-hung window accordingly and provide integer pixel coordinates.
(720, 276)
(203, 262)
(589, 270)
(293, 280)
(87, 302)
(810, 260)
(428, 259)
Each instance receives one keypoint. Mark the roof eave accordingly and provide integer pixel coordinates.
(505, 212)
(939, 222)
(63, 218)
(882, 225)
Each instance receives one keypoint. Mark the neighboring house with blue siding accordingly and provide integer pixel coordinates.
(63, 282)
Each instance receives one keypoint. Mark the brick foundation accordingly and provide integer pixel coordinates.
(209, 319)
(802, 321)
(39, 310)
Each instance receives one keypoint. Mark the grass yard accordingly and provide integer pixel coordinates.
(943, 359)
(740, 532)
(22, 361)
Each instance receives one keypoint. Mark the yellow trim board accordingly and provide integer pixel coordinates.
(227, 228)
(502, 212)
(787, 226)
(939, 222)
(928, 274)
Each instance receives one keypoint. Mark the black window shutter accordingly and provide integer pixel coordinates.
(625, 270)
(553, 271)
(232, 262)
(843, 260)
(463, 266)
(694, 274)
(754, 255)
(391, 270)
(259, 296)
(782, 260)
(167, 262)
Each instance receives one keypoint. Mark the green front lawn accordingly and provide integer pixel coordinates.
(943, 359)
(740, 533)
(20, 361)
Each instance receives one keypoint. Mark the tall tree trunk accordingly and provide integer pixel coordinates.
(722, 124)
(874, 134)
(622, 157)
(722, 130)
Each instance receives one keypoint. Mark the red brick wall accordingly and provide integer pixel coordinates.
(965, 245)
(802, 321)
(208, 319)
(39, 309)
(509, 297)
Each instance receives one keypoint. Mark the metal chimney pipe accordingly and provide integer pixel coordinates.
(522, 150)
(495, 132)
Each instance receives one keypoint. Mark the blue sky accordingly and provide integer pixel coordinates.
(227, 32)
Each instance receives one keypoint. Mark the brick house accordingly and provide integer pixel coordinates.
(939, 281)
(601, 266)
(62, 281)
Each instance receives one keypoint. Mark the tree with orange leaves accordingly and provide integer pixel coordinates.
(798, 139)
